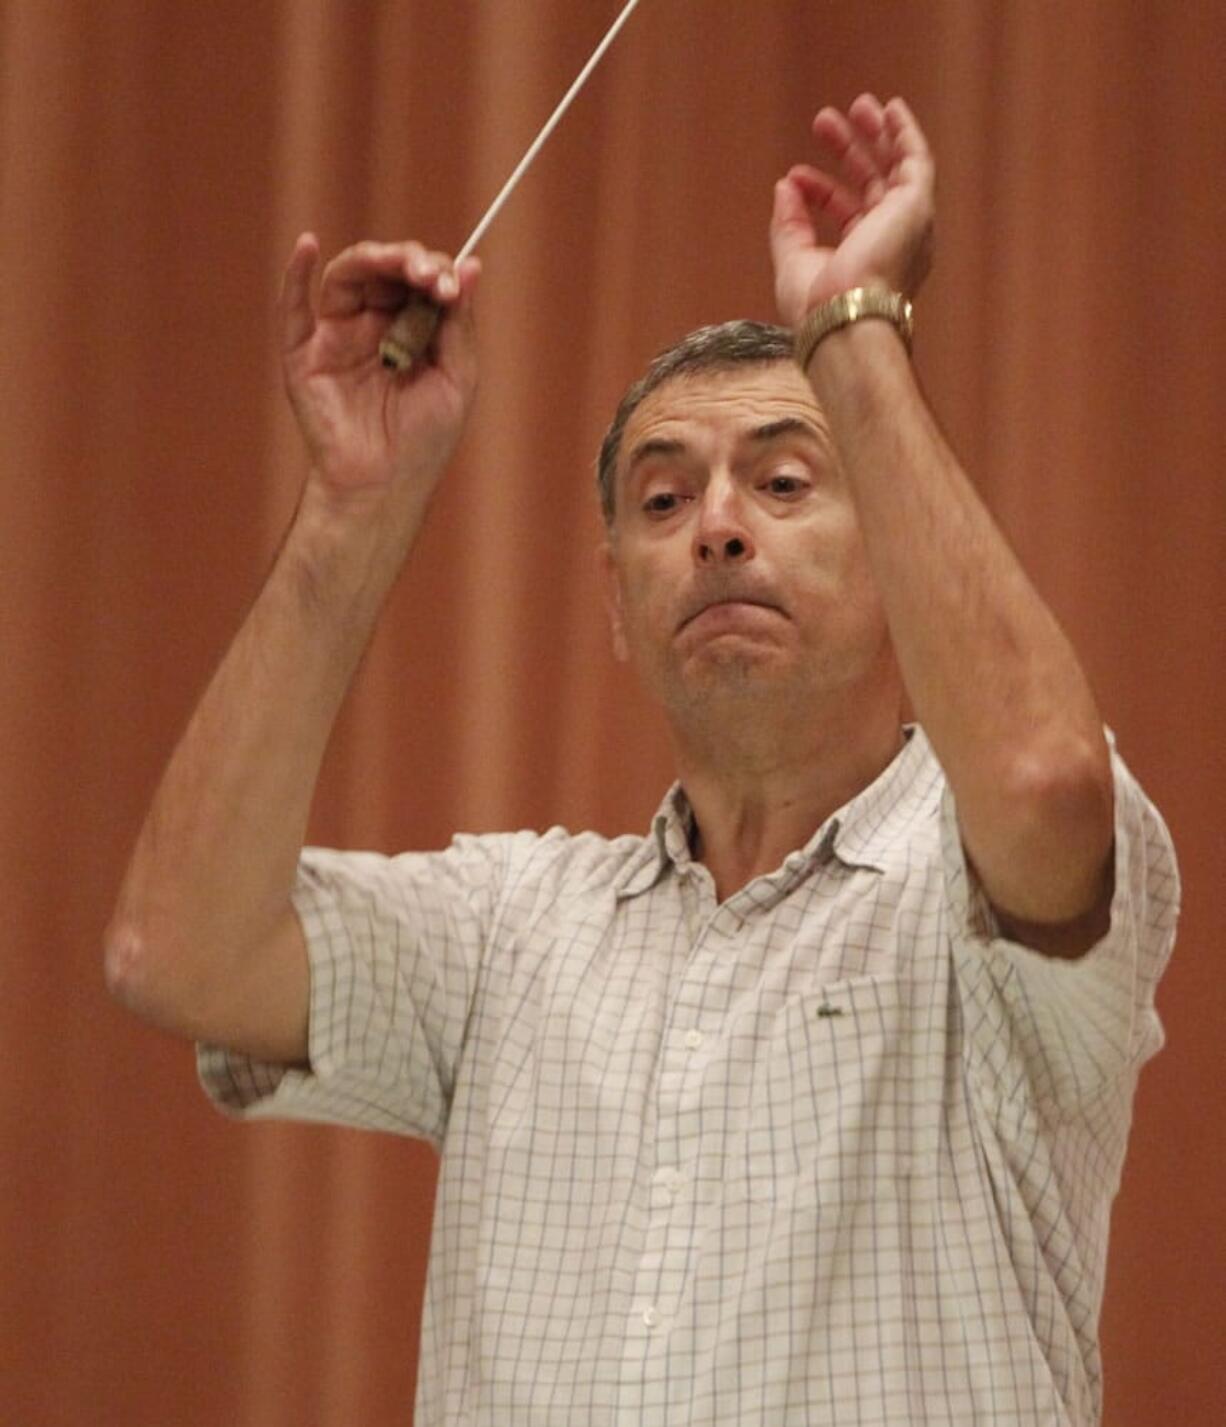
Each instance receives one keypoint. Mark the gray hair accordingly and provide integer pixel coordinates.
(709, 349)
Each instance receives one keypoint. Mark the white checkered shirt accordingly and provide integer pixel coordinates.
(831, 1152)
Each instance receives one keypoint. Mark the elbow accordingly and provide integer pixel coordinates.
(1069, 786)
(126, 963)
(1042, 843)
(137, 976)
(1064, 805)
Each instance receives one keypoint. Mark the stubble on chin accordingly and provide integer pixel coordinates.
(723, 684)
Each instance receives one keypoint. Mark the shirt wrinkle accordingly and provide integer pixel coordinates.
(831, 1151)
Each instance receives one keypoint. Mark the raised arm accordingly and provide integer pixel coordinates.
(992, 677)
(204, 941)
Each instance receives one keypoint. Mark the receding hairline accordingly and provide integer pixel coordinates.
(705, 352)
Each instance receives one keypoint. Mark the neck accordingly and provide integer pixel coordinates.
(760, 787)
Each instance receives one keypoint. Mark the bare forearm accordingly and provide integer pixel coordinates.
(991, 675)
(989, 671)
(204, 940)
(200, 926)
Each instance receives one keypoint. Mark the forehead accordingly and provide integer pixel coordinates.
(729, 401)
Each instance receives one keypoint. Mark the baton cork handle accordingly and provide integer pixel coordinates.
(408, 338)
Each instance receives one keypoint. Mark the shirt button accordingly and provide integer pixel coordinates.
(650, 1317)
(693, 1039)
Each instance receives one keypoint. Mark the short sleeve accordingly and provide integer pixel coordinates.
(394, 947)
(1072, 1026)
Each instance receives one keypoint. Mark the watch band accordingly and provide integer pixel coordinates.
(849, 307)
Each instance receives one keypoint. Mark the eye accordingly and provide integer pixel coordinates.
(661, 503)
(785, 485)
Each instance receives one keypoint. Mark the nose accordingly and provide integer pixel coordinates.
(722, 535)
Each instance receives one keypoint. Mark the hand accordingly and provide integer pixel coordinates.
(369, 431)
(876, 203)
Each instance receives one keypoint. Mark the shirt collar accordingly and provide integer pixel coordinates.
(859, 834)
(668, 845)
(871, 824)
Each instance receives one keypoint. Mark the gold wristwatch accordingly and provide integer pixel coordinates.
(849, 307)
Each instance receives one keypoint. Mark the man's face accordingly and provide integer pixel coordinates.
(735, 562)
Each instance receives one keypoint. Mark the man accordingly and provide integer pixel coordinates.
(808, 1107)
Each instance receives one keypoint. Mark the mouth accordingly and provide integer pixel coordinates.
(726, 607)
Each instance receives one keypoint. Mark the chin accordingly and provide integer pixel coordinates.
(735, 673)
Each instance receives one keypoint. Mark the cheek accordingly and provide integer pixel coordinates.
(839, 579)
(643, 620)
(831, 556)
(643, 602)
(849, 556)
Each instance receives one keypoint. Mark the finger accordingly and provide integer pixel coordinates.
(440, 274)
(457, 335)
(855, 161)
(431, 272)
(469, 274)
(345, 279)
(904, 128)
(380, 294)
(867, 114)
(825, 197)
(294, 305)
(912, 156)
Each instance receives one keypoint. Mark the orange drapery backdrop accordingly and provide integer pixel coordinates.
(159, 1265)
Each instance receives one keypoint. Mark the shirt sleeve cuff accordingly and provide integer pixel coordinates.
(244, 1087)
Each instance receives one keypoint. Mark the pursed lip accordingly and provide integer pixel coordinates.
(702, 603)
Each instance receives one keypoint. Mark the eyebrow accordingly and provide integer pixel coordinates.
(657, 446)
(787, 426)
(761, 435)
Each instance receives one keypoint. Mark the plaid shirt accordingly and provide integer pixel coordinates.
(832, 1151)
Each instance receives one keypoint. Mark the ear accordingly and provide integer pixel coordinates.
(613, 600)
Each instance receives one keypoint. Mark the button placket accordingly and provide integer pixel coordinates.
(695, 1011)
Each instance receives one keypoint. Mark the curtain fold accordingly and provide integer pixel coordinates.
(156, 163)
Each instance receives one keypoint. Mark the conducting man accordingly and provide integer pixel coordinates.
(809, 1105)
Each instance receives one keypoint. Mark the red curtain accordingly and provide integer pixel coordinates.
(159, 1265)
